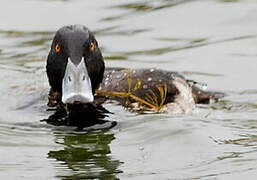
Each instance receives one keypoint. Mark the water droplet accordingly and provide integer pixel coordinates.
(149, 79)
(202, 86)
(141, 148)
(205, 87)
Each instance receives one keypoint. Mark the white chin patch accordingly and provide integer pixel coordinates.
(76, 84)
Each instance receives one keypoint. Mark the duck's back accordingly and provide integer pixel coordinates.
(152, 85)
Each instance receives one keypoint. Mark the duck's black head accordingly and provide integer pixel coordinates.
(75, 65)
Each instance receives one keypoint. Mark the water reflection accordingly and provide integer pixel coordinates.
(142, 7)
(185, 44)
(152, 5)
(24, 48)
(85, 156)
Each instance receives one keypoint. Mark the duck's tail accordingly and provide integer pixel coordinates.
(203, 97)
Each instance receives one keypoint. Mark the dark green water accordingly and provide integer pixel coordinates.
(210, 41)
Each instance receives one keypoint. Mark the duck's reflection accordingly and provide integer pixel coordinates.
(85, 156)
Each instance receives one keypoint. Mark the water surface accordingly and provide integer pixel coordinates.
(213, 42)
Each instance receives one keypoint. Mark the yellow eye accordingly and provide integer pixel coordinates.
(57, 48)
(92, 46)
